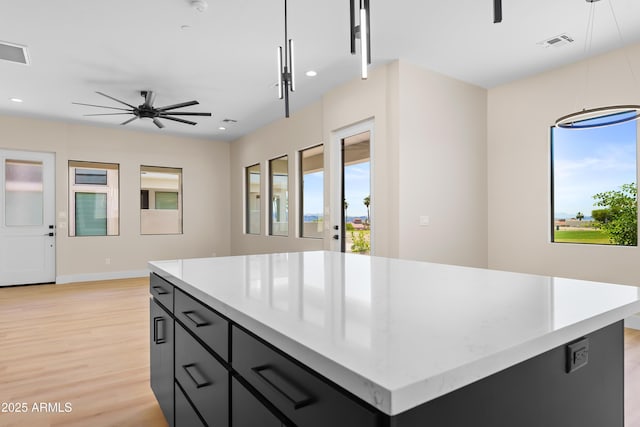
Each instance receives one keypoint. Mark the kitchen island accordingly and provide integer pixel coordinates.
(324, 338)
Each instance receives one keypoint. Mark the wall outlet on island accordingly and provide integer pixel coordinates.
(424, 220)
(107, 261)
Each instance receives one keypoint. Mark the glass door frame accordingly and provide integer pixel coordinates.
(336, 189)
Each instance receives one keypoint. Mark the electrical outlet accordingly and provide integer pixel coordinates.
(577, 354)
(107, 261)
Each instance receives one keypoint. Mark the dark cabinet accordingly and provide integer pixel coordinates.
(203, 322)
(247, 411)
(204, 380)
(161, 347)
(186, 416)
(297, 392)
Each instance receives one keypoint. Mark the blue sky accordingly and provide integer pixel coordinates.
(590, 161)
(356, 180)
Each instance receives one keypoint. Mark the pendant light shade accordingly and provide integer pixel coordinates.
(286, 79)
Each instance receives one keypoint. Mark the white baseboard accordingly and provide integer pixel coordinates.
(632, 322)
(108, 275)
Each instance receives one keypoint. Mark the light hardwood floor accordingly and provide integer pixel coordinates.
(88, 344)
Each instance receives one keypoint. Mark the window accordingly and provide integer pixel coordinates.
(160, 200)
(93, 199)
(594, 184)
(279, 191)
(252, 205)
(312, 192)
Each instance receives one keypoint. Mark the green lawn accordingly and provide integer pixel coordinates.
(581, 236)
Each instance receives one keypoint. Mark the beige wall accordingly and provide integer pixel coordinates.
(519, 120)
(443, 170)
(205, 185)
(428, 155)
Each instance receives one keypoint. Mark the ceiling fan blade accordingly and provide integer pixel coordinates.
(130, 120)
(101, 106)
(115, 99)
(106, 114)
(175, 119)
(149, 97)
(174, 106)
(185, 114)
(158, 123)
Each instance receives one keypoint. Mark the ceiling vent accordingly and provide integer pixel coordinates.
(14, 53)
(557, 41)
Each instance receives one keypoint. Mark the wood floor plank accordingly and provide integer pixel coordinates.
(83, 343)
(88, 344)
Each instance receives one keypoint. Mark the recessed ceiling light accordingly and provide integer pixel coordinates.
(15, 99)
(222, 128)
(311, 73)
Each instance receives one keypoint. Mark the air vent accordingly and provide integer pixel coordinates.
(14, 53)
(229, 121)
(557, 41)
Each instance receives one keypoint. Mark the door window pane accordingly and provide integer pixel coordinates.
(252, 205)
(91, 176)
(279, 190)
(160, 200)
(91, 214)
(23, 193)
(312, 192)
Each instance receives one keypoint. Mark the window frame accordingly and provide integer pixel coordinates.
(247, 204)
(271, 195)
(552, 181)
(301, 197)
(111, 187)
(151, 194)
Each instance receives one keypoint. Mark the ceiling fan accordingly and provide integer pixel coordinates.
(147, 110)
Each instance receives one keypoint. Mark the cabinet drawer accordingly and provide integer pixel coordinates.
(247, 411)
(204, 380)
(300, 394)
(186, 416)
(203, 322)
(162, 291)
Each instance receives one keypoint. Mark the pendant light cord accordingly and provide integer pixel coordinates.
(623, 43)
(588, 41)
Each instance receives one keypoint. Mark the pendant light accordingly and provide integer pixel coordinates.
(609, 115)
(286, 79)
(362, 32)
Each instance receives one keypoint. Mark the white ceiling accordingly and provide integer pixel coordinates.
(227, 59)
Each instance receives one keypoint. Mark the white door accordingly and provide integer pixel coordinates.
(27, 217)
(352, 225)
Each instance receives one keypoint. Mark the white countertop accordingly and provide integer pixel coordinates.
(398, 333)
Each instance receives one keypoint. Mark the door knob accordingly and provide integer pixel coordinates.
(336, 237)
(336, 227)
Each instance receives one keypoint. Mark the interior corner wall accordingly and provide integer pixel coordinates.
(282, 137)
(205, 174)
(443, 168)
(342, 106)
(520, 115)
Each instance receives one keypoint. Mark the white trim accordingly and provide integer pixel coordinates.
(108, 275)
(632, 322)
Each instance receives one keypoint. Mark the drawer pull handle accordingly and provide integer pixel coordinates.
(198, 379)
(160, 290)
(158, 338)
(195, 318)
(283, 386)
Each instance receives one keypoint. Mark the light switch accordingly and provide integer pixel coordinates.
(424, 220)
